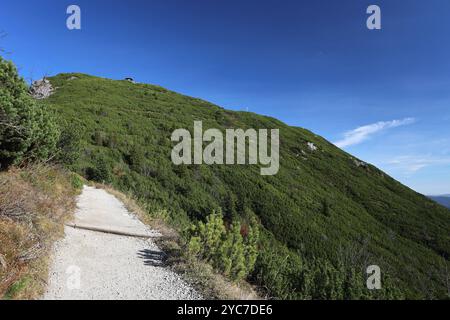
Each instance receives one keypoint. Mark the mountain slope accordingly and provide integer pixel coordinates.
(325, 216)
(443, 200)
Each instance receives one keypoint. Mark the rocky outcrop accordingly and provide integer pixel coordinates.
(359, 164)
(41, 89)
(312, 146)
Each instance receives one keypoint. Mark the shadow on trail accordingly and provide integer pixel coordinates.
(153, 258)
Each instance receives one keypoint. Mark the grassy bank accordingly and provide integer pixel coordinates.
(34, 204)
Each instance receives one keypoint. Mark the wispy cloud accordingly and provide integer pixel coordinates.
(412, 164)
(363, 133)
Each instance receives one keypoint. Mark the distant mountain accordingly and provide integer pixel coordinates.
(323, 218)
(443, 199)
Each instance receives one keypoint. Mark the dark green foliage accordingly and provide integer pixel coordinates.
(77, 181)
(291, 277)
(326, 207)
(226, 249)
(70, 144)
(100, 171)
(323, 219)
(44, 136)
(28, 132)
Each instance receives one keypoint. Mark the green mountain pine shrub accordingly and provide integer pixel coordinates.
(225, 248)
(28, 132)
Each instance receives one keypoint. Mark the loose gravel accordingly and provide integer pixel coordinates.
(90, 265)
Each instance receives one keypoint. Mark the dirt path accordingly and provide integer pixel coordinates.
(96, 265)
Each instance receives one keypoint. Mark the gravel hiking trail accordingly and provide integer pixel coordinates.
(89, 264)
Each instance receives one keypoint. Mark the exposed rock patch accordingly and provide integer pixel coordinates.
(360, 163)
(312, 146)
(41, 89)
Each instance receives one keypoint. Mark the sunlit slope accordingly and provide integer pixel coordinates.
(325, 215)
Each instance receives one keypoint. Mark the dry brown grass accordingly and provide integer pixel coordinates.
(34, 204)
(199, 274)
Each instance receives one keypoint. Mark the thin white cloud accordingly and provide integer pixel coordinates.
(363, 133)
(412, 164)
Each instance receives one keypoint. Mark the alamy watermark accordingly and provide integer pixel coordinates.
(374, 277)
(73, 22)
(73, 281)
(374, 20)
(241, 147)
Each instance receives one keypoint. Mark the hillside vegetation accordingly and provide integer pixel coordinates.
(322, 219)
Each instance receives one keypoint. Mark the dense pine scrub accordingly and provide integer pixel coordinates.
(321, 220)
(233, 250)
(28, 132)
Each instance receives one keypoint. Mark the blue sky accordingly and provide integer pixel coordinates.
(382, 95)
